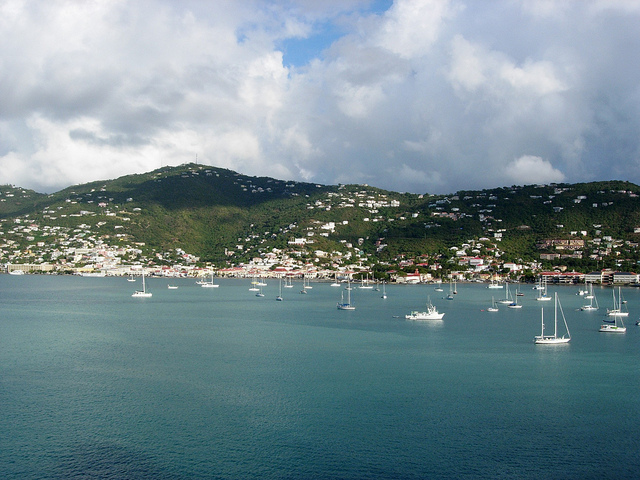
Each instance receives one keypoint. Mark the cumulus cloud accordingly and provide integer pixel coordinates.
(423, 96)
(529, 169)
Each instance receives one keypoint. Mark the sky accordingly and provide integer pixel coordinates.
(421, 96)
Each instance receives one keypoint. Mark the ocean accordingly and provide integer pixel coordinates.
(216, 383)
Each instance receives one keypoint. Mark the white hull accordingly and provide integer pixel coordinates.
(345, 306)
(424, 316)
(612, 329)
(617, 313)
(141, 294)
(551, 340)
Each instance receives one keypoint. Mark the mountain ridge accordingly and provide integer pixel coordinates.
(225, 217)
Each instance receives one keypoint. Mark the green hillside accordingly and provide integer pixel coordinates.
(225, 217)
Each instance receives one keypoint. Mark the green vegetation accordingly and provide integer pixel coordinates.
(224, 217)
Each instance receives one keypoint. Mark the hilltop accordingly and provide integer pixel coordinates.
(205, 215)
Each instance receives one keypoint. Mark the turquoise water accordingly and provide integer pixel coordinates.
(221, 384)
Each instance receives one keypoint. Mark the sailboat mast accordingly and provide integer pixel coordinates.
(555, 317)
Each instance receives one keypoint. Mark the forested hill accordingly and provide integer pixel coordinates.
(223, 216)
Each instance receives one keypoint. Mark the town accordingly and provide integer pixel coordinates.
(87, 231)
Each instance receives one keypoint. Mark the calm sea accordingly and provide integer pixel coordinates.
(221, 384)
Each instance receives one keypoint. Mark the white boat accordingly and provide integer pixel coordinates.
(279, 297)
(515, 303)
(542, 292)
(172, 287)
(131, 279)
(593, 302)
(553, 339)
(143, 292)
(342, 305)
(384, 290)
(253, 287)
(287, 283)
(209, 284)
(365, 284)
(619, 306)
(335, 281)
(493, 307)
(16, 272)
(260, 294)
(508, 299)
(451, 291)
(495, 284)
(430, 314)
(613, 327)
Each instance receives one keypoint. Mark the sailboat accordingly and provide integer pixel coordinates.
(335, 281)
(131, 279)
(515, 303)
(254, 284)
(342, 305)
(430, 314)
(618, 310)
(384, 290)
(439, 287)
(143, 292)
(209, 284)
(495, 284)
(553, 339)
(592, 298)
(288, 283)
(260, 294)
(365, 284)
(589, 293)
(493, 307)
(279, 297)
(542, 292)
(451, 291)
(508, 299)
(617, 324)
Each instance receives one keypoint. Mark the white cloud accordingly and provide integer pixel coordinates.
(530, 169)
(431, 95)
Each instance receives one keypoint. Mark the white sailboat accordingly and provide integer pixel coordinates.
(365, 284)
(254, 284)
(493, 307)
(553, 339)
(288, 283)
(451, 291)
(209, 284)
(515, 303)
(430, 314)
(143, 292)
(342, 305)
(439, 287)
(335, 281)
(619, 306)
(384, 290)
(279, 297)
(508, 299)
(131, 279)
(589, 292)
(542, 292)
(593, 302)
(495, 284)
